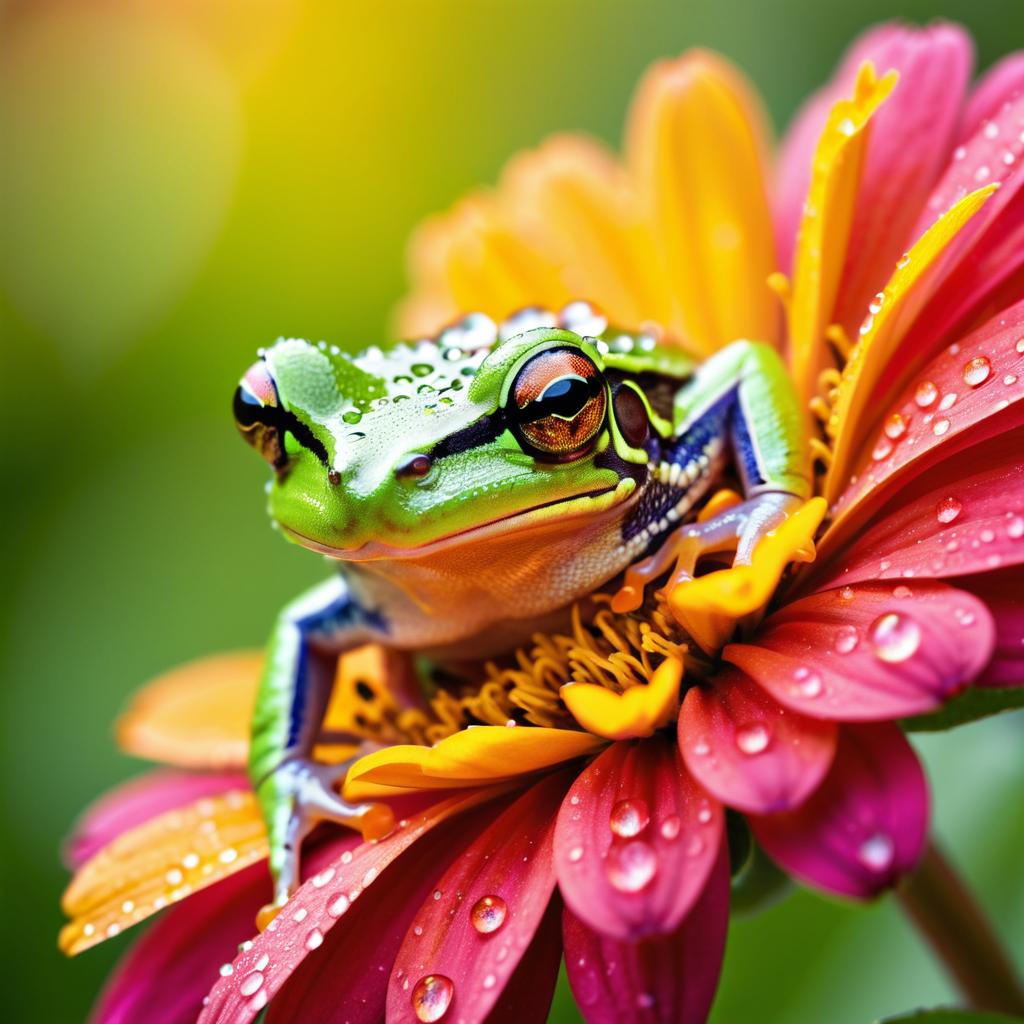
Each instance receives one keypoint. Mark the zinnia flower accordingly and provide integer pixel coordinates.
(598, 770)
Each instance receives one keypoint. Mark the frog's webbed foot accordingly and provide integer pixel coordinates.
(738, 526)
(296, 797)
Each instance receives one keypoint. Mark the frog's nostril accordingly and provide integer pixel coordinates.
(414, 465)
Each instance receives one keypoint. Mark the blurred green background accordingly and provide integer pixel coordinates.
(184, 180)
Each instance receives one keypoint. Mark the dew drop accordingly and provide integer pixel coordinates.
(339, 906)
(808, 683)
(846, 594)
(948, 401)
(1015, 528)
(926, 394)
(846, 639)
(1010, 378)
(226, 970)
(753, 739)
(940, 427)
(701, 748)
(895, 426)
(895, 637)
(488, 914)
(431, 997)
(489, 981)
(251, 983)
(672, 825)
(977, 371)
(629, 818)
(947, 510)
(631, 866)
(576, 854)
(882, 450)
(1020, 346)
(877, 852)
(320, 880)
(315, 939)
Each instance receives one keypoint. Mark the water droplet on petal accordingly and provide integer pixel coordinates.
(338, 906)
(1015, 528)
(1020, 345)
(629, 818)
(671, 826)
(808, 683)
(753, 739)
(701, 748)
(977, 371)
(926, 394)
(846, 639)
(846, 594)
(940, 427)
(882, 450)
(877, 852)
(431, 997)
(315, 939)
(895, 426)
(576, 854)
(251, 983)
(895, 637)
(947, 510)
(631, 866)
(488, 914)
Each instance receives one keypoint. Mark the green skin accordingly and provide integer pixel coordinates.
(470, 550)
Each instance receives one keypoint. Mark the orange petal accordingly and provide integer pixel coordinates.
(195, 716)
(825, 226)
(894, 310)
(162, 861)
(695, 147)
(634, 714)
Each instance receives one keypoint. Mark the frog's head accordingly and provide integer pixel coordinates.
(386, 454)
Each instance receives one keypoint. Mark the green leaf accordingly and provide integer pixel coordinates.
(972, 704)
(947, 1016)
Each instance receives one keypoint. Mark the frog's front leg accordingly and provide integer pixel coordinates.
(742, 392)
(295, 792)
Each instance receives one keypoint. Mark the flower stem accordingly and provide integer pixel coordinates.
(945, 912)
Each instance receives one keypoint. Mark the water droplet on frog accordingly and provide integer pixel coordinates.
(947, 510)
(977, 371)
(431, 997)
(895, 637)
(251, 983)
(352, 416)
(877, 852)
(672, 825)
(926, 394)
(488, 914)
(895, 426)
(753, 739)
(631, 866)
(846, 639)
(422, 369)
(940, 427)
(629, 818)
(583, 319)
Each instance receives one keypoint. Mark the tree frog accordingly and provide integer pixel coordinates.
(470, 488)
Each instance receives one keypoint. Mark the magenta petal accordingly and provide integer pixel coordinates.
(1002, 83)
(138, 800)
(1001, 593)
(746, 749)
(636, 839)
(870, 652)
(939, 413)
(865, 826)
(320, 904)
(669, 979)
(966, 516)
(165, 975)
(473, 928)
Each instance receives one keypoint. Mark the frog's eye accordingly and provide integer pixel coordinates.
(558, 403)
(258, 414)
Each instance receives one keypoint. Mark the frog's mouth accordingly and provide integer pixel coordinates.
(562, 511)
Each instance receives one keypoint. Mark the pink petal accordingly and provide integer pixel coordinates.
(965, 516)
(870, 652)
(910, 138)
(325, 900)
(1002, 83)
(528, 994)
(138, 800)
(747, 750)
(510, 867)
(164, 976)
(1001, 593)
(636, 839)
(938, 414)
(669, 979)
(865, 826)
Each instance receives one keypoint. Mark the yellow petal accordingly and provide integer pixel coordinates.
(160, 862)
(695, 148)
(825, 226)
(195, 716)
(635, 713)
(480, 755)
(709, 607)
(902, 299)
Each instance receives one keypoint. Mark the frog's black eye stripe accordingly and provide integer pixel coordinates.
(263, 423)
(557, 404)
